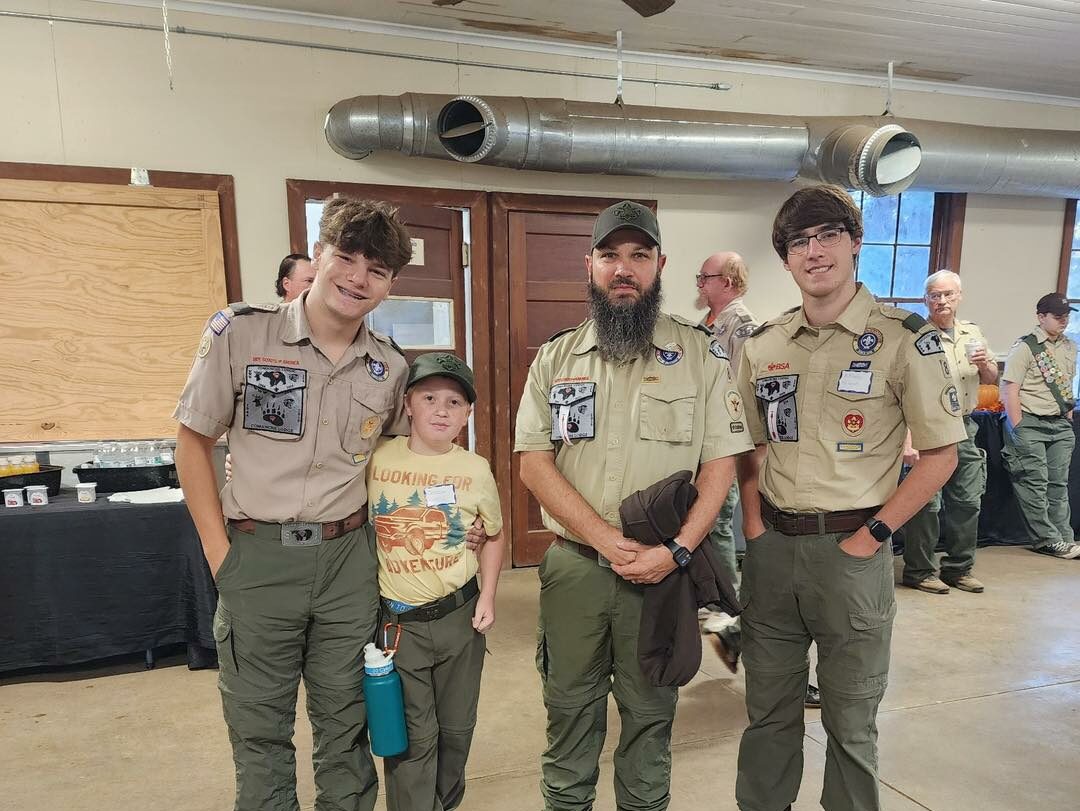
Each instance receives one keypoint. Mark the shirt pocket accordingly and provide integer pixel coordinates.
(369, 408)
(854, 411)
(274, 401)
(667, 414)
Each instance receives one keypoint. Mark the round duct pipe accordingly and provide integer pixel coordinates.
(466, 128)
(879, 160)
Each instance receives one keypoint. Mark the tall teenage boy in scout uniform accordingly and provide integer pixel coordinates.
(960, 500)
(627, 398)
(830, 388)
(303, 391)
(1037, 391)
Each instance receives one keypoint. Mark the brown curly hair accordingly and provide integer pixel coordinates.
(812, 206)
(369, 227)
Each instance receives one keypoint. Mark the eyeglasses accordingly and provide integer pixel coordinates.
(701, 278)
(947, 295)
(826, 239)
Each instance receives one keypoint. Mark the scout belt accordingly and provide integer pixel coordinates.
(304, 533)
(583, 550)
(429, 612)
(815, 523)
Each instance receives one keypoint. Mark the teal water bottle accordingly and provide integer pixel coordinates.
(385, 705)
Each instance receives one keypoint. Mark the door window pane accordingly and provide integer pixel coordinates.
(895, 257)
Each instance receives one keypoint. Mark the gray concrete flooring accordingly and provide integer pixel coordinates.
(982, 714)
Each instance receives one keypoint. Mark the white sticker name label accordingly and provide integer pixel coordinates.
(440, 494)
(855, 381)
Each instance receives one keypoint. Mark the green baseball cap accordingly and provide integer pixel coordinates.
(626, 214)
(442, 364)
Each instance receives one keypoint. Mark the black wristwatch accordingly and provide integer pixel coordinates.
(679, 552)
(879, 530)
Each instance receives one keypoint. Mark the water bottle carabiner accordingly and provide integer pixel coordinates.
(391, 649)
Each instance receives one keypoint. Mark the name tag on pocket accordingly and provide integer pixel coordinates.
(855, 381)
(440, 494)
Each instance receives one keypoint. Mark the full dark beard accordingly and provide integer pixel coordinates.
(624, 330)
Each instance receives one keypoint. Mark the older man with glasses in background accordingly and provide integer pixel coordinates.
(968, 360)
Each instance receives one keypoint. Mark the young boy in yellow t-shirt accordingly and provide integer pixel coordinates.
(424, 492)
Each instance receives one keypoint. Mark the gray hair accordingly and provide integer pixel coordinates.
(944, 275)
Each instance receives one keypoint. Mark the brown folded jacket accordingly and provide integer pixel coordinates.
(669, 640)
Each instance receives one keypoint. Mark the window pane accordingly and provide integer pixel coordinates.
(1076, 234)
(1073, 331)
(875, 268)
(916, 307)
(916, 217)
(909, 280)
(313, 212)
(879, 219)
(1073, 290)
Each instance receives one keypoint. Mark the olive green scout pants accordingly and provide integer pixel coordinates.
(587, 647)
(796, 589)
(440, 664)
(959, 502)
(722, 535)
(286, 612)
(1037, 454)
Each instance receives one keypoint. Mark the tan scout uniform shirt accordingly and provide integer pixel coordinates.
(1035, 396)
(731, 327)
(634, 423)
(965, 374)
(833, 403)
(300, 429)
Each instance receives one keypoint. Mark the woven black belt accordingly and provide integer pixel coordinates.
(583, 550)
(793, 523)
(429, 612)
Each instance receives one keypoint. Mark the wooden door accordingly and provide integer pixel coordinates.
(541, 287)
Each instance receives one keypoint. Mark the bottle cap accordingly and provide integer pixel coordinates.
(377, 662)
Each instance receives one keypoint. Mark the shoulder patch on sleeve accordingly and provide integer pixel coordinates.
(929, 343)
(717, 351)
(746, 330)
(243, 308)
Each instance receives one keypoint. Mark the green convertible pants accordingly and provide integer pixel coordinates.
(722, 535)
(1037, 454)
(798, 589)
(286, 612)
(587, 647)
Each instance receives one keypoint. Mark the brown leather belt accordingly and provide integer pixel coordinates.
(583, 550)
(330, 530)
(792, 523)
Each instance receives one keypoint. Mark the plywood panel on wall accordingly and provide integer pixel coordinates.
(107, 288)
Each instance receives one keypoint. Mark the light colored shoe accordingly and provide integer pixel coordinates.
(1061, 549)
(931, 585)
(965, 582)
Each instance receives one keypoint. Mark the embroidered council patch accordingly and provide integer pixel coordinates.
(670, 354)
(377, 369)
(929, 344)
(868, 343)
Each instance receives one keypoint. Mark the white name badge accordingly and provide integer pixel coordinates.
(855, 381)
(440, 494)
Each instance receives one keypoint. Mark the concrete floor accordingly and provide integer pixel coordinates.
(982, 714)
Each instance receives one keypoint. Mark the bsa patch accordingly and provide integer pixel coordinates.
(377, 369)
(274, 399)
(950, 400)
(219, 322)
(736, 428)
(745, 331)
(670, 354)
(717, 351)
(849, 447)
(929, 344)
(370, 426)
(204, 345)
(854, 421)
(734, 405)
(868, 343)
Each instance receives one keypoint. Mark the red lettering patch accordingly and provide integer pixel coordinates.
(779, 367)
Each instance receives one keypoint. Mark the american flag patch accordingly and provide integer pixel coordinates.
(219, 322)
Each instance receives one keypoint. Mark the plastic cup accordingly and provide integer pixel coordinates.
(13, 497)
(87, 492)
(971, 347)
(37, 495)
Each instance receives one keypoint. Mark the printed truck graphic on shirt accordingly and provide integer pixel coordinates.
(417, 528)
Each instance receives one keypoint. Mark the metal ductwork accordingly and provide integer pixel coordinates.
(879, 155)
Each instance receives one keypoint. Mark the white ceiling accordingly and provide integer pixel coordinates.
(1031, 46)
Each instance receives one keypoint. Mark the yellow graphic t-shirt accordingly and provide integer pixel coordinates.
(422, 507)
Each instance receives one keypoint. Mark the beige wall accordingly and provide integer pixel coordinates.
(97, 96)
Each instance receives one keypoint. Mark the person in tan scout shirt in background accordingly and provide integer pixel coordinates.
(830, 388)
(303, 392)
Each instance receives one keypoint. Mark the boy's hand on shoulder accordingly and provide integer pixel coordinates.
(484, 616)
(475, 538)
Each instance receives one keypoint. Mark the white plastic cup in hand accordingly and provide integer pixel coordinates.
(972, 347)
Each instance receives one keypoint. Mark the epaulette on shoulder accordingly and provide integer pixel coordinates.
(912, 322)
(745, 319)
(686, 322)
(783, 318)
(562, 332)
(243, 308)
(386, 339)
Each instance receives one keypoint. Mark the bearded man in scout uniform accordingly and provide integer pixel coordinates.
(303, 392)
(970, 362)
(627, 398)
(830, 388)
(1037, 391)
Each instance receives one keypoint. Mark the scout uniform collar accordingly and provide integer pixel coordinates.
(731, 305)
(854, 318)
(663, 335)
(1041, 336)
(295, 328)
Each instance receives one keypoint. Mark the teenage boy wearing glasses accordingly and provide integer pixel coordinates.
(968, 358)
(830, 388)
(1037, 391)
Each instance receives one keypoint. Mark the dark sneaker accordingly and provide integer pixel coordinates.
(1061, 549)
(726, 638)
(931, 585)
(813, 697)
(965, 582)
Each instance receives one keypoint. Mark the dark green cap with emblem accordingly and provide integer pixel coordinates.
(442, 364)
(626, 214)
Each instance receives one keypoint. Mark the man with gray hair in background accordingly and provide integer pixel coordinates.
(970, 363)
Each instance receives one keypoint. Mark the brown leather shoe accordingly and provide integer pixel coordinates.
(965, 582)
(931, 585)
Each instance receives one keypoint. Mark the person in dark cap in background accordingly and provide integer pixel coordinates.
(1036, 389)
(612, 406)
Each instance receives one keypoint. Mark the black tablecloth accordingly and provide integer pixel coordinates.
(86, 581)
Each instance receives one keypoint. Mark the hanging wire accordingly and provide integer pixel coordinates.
(888, 92)
(168, 44)
(618, 67)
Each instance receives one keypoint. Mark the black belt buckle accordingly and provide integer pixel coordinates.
(301, 533)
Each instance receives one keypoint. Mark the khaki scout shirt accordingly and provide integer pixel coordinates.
(300, 429)
(1020, 367)
(833, 403)
(635, 423)
(965, 374)
(731, 327)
